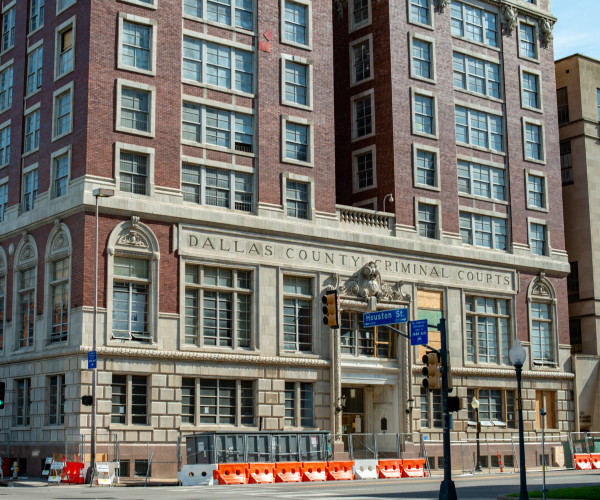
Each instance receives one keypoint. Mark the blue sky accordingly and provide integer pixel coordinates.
(577, 29)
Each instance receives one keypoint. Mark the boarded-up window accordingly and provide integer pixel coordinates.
(546, 400)
(430, 305)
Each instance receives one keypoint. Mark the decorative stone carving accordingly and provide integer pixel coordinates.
(133, 239)
(546, 28)
(442, 4)
(340, 5)
(541, 290)
(135, 220)
(27, 253)
(368, 284)
(57, 223)
(59, 242)
(2, 262)
(510, 16)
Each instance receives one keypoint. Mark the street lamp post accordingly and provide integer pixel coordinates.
(518, 355)
(475, 406)
(97, 193)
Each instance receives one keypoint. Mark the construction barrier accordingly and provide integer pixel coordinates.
(582, 461)
(258, 473)
(413, 468)
(595, 460)
(365, 469)
(314, 471)
(75, 472)
(288, 472)
(340, 471)
(231, 473)
(389, 469)
(196, 474)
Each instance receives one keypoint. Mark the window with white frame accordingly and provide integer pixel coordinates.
(527, 41)
(297, 314)
(542, 337)
(360, 13)
(364, 170)
(420, 12)
(23, 402)
(135, 110)
(218, 307)
(136, 45)
(483, 231)
(34, 69)
(133, 172)
(424, 119)
(130, 394)
(476, 75)
(60, 174)
(474, 24)
(207, 125)
(496, 406)
(3, 200)
(422, 52)
(536, 191)
(63, 112)
(362, 108)
(6, 87)
(64, 49)
(8, 29)
(297, 82)
(219, 65)
(220, 401)
(297, 23)
(217, 187)
(481, 180)
(361, 56)
(297, 141)
(538, 238)
(356, 340)
(426, 167)
(36, 15)
(430, 403)
(56, 400)
(299, 404)
(26, 306)
(297, 199)
(5, 145)
(30, 188)
(32, 131)
(531, 96)
(487, 329)
(64, 4)
(59, 296)
(131, 288)
(235, 13)
(427, 220)
(480, 129)
(534, 141)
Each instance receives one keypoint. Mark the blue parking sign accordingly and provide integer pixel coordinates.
(418, 332)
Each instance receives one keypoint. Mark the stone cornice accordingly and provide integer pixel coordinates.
(506, 373)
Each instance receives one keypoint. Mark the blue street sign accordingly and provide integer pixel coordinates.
(418, 332)
(91, 360)
(385, 317)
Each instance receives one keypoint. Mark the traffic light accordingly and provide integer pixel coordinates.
(2, 391)
(331, 309)
(87, 400)
(453, 403)
(432, 371)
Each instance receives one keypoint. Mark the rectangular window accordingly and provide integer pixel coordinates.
(487, 330)
(423, 115)
(296, 141)
(476, 75)
(483, 231)
(365, 173)
(220, 300)
(59, 295)
(188, 401)
(297, 199)
(427, 220)
(573, 282)
(545, 400)
(130, 299)
(136, 46)
(537, 238)
(361, 61)
(2, 300)
(135, 109)
(3, 204)
(34, 69)
(356, 340)
(527, 41)
(63, 4)
(420, 11)
(297, 314)
(36, 15)
(119, 399)
(61, 175)
(295, 24)
(536, 191)
(360, 13)
(479, 129)
(62, 114)
(431, 408)
(238, 15)
(299, 404)
(541, 333)
(562, 101)
(6, 88)
(56, 400)
(363, 118)
(426, 168)
(5, 146)
(566, 163)
(32, 131)
(481, 180)
(474, 24)
(23, 406)
(30, 188)
(8, 29)
(133, 172)
(64, 54)
(496, 407)
(296, 83)
(26, 294)
(422, 55)
(531, 90)
(533, 142)
(575, 338)
(226, 402)
(139, 400)
(132, 410)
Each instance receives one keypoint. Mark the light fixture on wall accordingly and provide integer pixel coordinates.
(341, 404)
(390, 197)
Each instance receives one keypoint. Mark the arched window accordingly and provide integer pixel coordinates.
(132, 282)
(2, 295)
(25, 280)
(58, 280)
(542, 321)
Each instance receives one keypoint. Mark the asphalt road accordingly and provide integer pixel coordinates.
(480, 487)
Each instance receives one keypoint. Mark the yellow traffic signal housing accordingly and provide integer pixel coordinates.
(331, 309)
(432, 372)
